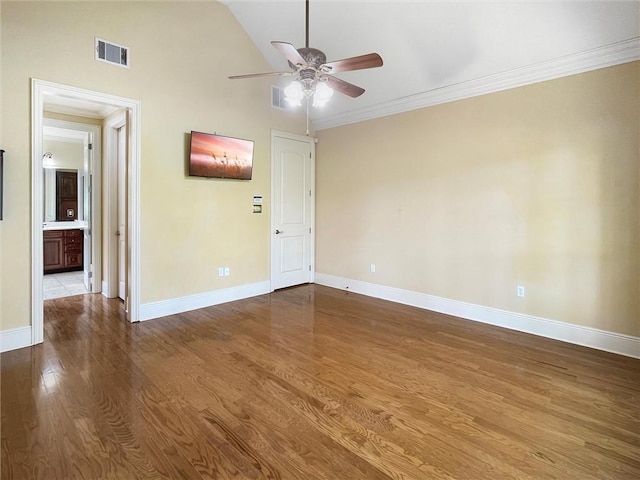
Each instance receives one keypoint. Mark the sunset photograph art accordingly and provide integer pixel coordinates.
(218, 156)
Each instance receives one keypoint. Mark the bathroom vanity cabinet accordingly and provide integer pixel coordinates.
(62, 250)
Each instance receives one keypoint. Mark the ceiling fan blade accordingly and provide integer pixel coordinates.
(291, 53)
(269, 74)
(344, 87)
(371, 60)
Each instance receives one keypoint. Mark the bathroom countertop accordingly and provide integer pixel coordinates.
(64, 225)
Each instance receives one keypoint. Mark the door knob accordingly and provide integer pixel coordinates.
(279, 231)
(117, 234)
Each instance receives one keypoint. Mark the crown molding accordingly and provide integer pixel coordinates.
(601, 57)
(96, 111)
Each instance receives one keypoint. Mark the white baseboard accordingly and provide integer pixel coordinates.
(566, 332)
(172, 306)
(15, 338)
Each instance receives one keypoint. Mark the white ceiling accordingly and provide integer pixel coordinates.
(442, 51)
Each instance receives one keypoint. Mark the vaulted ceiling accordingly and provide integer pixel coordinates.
(435, 52)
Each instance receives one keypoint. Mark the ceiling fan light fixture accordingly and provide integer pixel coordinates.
(322, 94)
(308, 88)
(294, 94)
(313, 74)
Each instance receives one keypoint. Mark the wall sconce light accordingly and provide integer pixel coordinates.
(47, 160)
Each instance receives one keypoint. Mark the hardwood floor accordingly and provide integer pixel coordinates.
(311, 383)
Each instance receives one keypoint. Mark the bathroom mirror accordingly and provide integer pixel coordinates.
(60, 195)
(62, 192)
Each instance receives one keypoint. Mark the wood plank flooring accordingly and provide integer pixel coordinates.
(311, 383)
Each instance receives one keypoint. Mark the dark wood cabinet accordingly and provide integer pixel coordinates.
(73, 249)
(62, 250)
(66, 195)
(53, 250)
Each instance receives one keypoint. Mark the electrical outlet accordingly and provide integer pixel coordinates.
(226, 271)
(520, 291)
(373, 268)
(221, 272)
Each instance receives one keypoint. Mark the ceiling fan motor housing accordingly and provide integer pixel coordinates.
(312, 56)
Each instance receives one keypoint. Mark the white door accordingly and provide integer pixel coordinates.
(122, 212)
(293, 209)
(87, 210)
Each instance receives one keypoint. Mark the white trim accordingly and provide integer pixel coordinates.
(39, 90)
(37, 215)
(102, 112)
(61, 134)
(566, 332)
(15, 338)
(134, 156)
(312, 244)
(607, 56)
(173, 306)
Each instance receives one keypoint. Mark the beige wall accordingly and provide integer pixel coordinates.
(536, 186)
(69, 155)
(181, 54)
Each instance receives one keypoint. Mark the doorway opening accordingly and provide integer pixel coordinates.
(67, 102)
(72, 214)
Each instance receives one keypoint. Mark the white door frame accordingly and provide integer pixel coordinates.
(39, 89)
(272, 225)
(67, 128)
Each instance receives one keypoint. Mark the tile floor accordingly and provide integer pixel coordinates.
(56, 285)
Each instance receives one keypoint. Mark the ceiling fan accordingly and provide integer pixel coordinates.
(313, 74)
